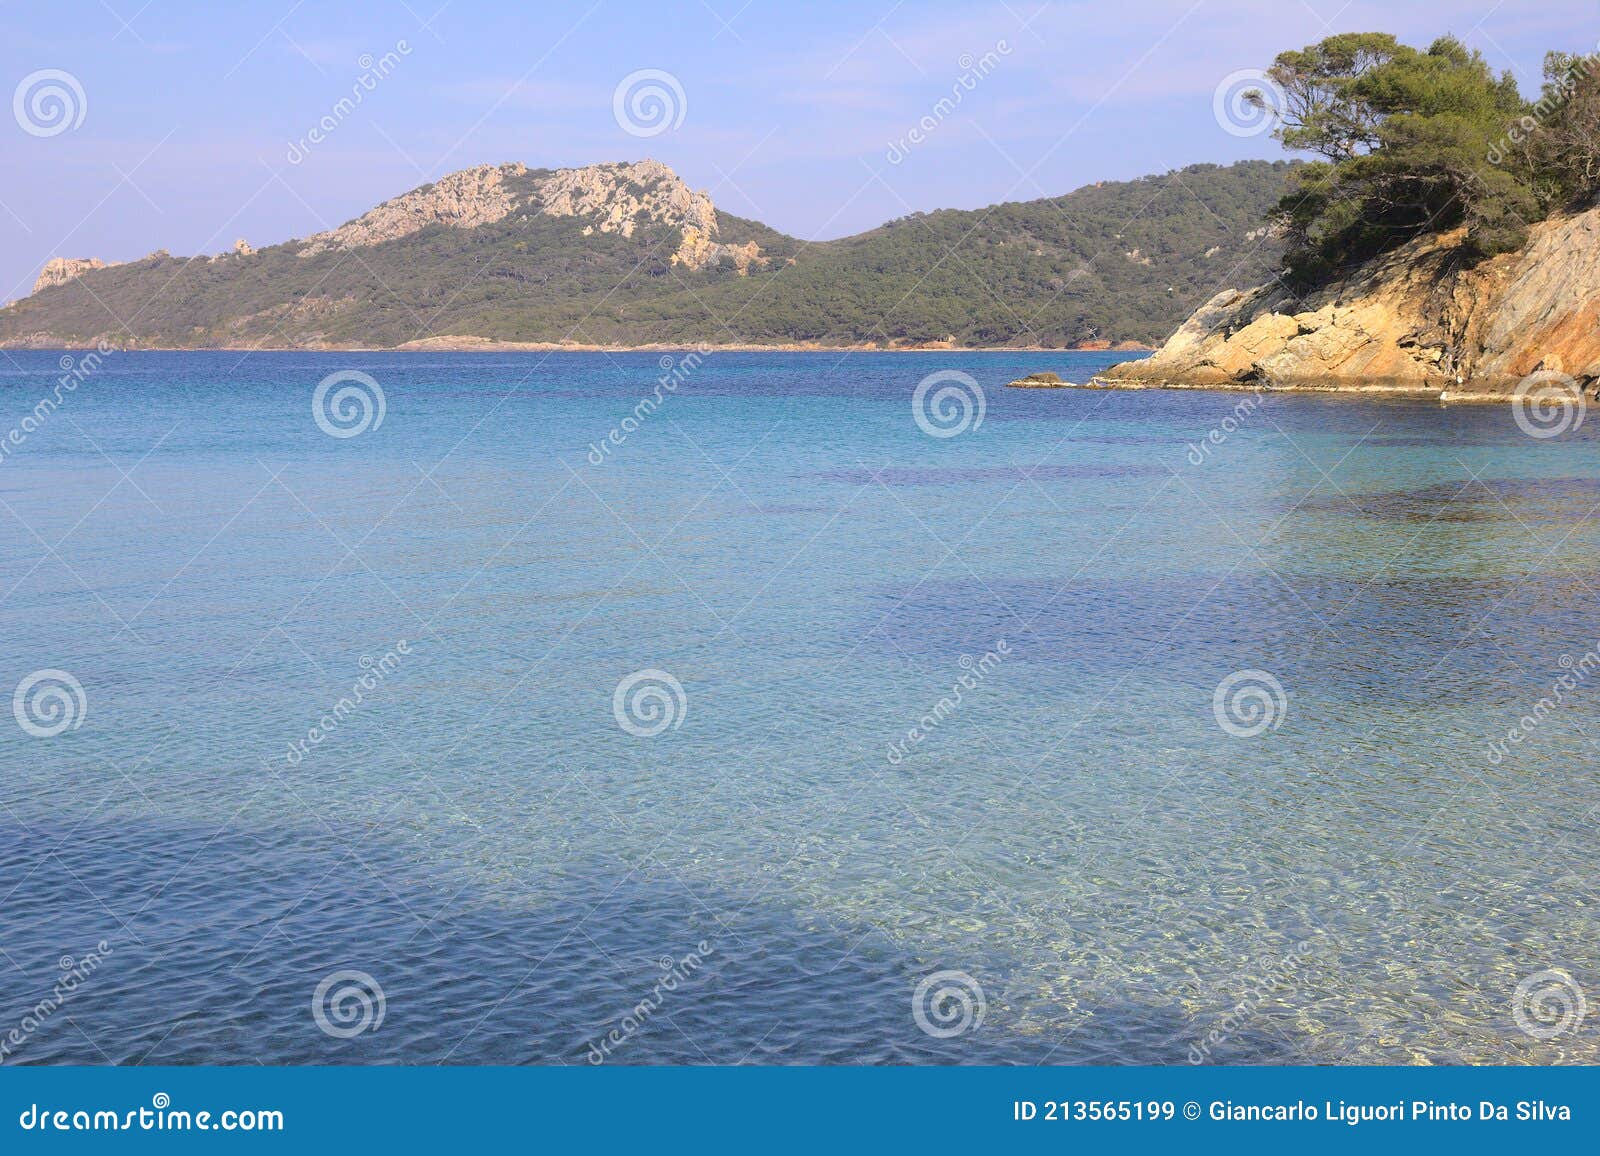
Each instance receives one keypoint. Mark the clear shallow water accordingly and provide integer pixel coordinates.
(1119, 874)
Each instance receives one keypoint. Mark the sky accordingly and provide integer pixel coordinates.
(141, 124)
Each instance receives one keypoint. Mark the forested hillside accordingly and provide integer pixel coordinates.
(626, 254)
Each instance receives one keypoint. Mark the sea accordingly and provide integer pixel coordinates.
(718, 707)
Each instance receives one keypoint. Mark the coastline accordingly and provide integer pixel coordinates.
(1420, 321)
(489, 345)
(1365, 388)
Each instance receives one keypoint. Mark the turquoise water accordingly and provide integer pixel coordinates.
(1116, 874)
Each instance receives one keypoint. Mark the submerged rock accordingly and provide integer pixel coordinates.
(1045, 380)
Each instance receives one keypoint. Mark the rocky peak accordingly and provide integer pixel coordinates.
(463, 200)
(618, 196)
(609, 198)
(60, 270)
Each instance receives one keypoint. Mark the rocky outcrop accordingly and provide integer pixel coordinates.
(1417, 320)
(463, 200)
(60, 270)
(618, 198)
(610, 198)
(1096, 344)
(1040, 381)
(699, 251)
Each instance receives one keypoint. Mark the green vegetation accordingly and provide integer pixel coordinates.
(1116, 261)
(1112, 262)
(1415, 142)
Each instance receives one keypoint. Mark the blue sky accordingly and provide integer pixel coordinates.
(788, 110)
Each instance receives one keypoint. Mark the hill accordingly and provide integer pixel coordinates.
(627, 254)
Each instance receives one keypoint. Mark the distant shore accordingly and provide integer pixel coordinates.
(490, 345)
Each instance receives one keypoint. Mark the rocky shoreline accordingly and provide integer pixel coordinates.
(1418, 322)
(1404, 391)
(1399, 390)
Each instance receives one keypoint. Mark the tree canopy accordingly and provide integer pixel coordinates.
(1417, 141)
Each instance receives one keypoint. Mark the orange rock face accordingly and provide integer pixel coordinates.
(1415, 320)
